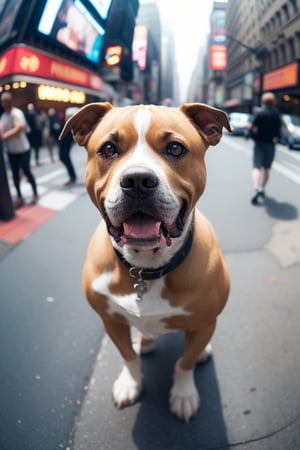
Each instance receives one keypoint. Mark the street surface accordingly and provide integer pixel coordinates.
(57, 365)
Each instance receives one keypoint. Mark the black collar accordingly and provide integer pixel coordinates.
(152, 274)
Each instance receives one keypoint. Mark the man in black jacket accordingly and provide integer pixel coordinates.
(266, 128)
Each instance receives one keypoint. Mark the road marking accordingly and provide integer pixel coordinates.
(57, 200)
(290, 153)
(49, 176)
(279, 167)
(51, 199)
(286, 172)
(292, 166)
(26, 221)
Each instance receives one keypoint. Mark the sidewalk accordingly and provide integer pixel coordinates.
(54, 197)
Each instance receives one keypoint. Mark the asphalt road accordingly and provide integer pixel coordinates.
(57, 368)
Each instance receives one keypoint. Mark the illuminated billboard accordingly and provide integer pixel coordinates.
(71, 24)
(218, 51)
(217, 57)
(139, 46)
(113, 55)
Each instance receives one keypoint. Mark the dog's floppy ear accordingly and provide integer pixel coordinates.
(209, 121)
(84, 121)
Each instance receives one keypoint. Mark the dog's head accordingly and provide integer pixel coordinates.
(145, 169)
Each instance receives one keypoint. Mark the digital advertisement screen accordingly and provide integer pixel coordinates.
(102, 7)
(71, 24)
(139, 46)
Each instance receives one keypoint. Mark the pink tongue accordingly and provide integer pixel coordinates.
(141, 226)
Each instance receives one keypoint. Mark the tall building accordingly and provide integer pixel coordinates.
(263, 53)
(215, 66)
(169, 79)
(160, 33)
(196, 90)
(147, 45)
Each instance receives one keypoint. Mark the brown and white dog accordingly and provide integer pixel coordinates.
(154, 262)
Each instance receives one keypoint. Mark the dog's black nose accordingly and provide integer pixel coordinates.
(138, 181)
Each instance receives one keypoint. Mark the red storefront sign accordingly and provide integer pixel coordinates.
(23, 60)
(285, 77)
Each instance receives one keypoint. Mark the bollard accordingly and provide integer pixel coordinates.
(6, 206)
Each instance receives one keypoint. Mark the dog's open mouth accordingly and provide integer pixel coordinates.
(143, 230)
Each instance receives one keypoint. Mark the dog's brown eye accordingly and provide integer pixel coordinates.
(108, 150)
(175, 149)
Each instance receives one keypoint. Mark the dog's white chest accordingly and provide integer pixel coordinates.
(146, 314)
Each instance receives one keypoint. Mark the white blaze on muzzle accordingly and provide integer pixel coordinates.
(140, 203)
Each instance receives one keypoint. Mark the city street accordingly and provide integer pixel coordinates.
(57, 365)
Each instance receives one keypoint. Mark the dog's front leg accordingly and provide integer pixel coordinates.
(184, 398)
(128, 385)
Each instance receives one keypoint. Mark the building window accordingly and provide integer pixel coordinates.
(268, 61)
(298, 44)
(273, 25)
(275, 63)
(279, 19)
(292, 50)
(294, 6)
(283, 54)
(286, 13)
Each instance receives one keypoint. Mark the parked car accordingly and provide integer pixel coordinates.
(248, 128)
(291, 131)
(240, 123)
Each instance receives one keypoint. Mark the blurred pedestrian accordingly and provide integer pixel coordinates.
(266, 128)
(34, 132)
(13, 133)
(51, 131)
(65, 146)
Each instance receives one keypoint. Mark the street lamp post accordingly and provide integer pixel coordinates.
(257, 51)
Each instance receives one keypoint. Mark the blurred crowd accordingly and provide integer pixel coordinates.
(23, 133)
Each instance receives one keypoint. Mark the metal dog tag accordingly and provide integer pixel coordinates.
(140, 286)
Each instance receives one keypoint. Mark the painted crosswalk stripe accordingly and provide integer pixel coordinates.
(57, 200)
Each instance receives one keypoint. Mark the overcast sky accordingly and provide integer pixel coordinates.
(190, 20)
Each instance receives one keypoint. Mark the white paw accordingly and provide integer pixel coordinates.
(206, 354)
(128, 385)
(184, 398)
